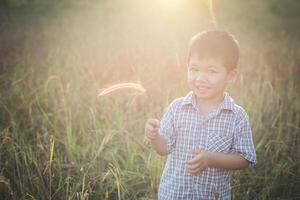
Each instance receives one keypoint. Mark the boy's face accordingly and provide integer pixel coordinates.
(208, 78)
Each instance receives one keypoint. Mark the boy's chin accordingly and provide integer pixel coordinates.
(204, 95)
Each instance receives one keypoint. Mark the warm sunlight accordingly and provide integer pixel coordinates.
(172, 4)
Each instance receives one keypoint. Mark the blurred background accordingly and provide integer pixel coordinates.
(58, 140)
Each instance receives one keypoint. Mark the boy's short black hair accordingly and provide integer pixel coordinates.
(215, 44)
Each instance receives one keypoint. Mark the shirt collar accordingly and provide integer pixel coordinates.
(226, 104)
(188, 99)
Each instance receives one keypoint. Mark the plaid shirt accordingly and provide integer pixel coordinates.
(225, 130)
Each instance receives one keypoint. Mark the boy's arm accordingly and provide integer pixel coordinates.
(156, 140)
(233, 161)
(159, 145)
(243, 153)
(162, 135)
(204, 159)
(243, 150)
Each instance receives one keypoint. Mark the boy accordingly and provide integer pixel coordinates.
(205, 134)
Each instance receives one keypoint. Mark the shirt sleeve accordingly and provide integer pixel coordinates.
(167, 129)
(243, 142)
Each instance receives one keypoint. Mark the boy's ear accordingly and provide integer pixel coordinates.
(232, 75)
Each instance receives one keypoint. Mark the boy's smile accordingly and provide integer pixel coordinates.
(208, 78)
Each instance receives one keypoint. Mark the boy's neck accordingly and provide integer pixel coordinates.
(205, 106)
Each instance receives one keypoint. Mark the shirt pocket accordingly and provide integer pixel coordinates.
(219, 140)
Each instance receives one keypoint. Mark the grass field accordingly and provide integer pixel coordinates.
(58, 140)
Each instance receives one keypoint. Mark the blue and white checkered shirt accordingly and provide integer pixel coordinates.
(226, 129)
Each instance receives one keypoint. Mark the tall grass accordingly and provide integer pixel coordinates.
(60, 141)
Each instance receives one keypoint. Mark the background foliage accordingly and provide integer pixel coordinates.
(59, 141)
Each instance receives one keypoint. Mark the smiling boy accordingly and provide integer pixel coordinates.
(205, 134)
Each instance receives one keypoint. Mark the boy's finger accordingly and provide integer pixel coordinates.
(151, 133)
(154, 122)
(194, 166)
(151, 129)
(194, 160)
(196, 170)
(192, 170)
(155, 130)
(194, 151)
(199, 169)
(150, 126)
(151, 136)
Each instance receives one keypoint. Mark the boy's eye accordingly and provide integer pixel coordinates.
(194, 69)
(212, 71)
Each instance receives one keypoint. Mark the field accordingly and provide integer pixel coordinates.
(59, 140)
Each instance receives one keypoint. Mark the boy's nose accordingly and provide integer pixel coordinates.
(201, 76)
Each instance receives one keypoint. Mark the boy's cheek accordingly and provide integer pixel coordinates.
(190, 81)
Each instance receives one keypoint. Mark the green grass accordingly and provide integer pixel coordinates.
(58, 140)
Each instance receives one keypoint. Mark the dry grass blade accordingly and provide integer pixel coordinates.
(119, 86)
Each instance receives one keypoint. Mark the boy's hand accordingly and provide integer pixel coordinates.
(151, 129)
(199, 163)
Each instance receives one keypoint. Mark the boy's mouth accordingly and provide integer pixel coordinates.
(202, 87)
